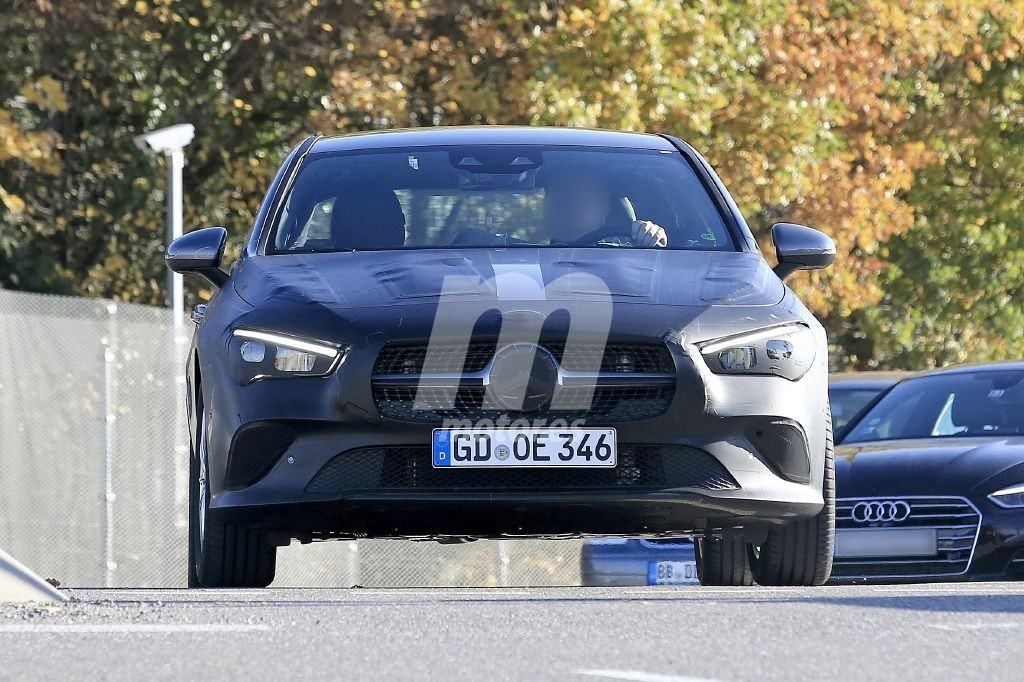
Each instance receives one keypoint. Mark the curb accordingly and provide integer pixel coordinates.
(18, 584)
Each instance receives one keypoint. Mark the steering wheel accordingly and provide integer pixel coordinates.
(622, 234)
(472, 236)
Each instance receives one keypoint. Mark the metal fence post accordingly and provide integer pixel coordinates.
(353, 563)
(504, 561)
(109, 425)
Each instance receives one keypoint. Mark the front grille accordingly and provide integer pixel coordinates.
(437, 403)
(410, 468)
(634, 382)
(622, 358)
(396, 360)
(956, 523)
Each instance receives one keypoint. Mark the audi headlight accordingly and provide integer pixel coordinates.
(255, 354)
(784, 350)
(1010, 498)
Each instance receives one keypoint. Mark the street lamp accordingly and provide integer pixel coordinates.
(171, 142)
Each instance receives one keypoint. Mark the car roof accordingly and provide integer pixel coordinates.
(452, 135)
(1009, 365)
(865, 380)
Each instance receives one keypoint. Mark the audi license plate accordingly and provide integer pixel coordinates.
(672, 573)
(524, 448)
(854, 543)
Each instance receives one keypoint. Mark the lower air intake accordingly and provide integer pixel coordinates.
(410, 468)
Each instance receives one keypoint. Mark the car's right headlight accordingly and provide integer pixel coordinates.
(1010, 498)
(785, 350)
(255, 354)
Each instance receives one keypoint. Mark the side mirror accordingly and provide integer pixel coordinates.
(801, 248)
(199, 252)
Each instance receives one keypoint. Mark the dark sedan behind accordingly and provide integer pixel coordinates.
(850, 392)
(930, 480)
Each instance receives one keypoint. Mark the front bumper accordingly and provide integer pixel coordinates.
(285, 500)
(996, 554)
(264, 477)
(474, 515)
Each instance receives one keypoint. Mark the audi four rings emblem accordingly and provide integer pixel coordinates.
(883, 510)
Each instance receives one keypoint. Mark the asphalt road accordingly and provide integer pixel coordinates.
(916, 632)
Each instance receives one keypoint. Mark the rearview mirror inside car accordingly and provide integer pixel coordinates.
(199, 252)
(801, 248)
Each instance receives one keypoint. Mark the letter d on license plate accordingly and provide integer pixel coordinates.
(524, 448)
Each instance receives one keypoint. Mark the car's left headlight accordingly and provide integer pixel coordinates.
(785, 350)
(255, 354)
(1010, 498)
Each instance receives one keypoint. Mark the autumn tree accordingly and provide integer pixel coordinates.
(891, 124)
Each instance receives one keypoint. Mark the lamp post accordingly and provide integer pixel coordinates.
(171, 142)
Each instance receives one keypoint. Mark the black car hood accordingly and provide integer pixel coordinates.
(931, 466)
(388, 278)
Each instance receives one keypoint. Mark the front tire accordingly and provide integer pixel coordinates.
(221, 554)
(800, 553)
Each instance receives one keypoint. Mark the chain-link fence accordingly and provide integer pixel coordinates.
(94, 465)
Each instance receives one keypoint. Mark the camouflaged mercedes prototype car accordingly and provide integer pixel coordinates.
(452, 334)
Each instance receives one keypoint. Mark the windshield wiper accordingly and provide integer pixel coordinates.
(323, 250)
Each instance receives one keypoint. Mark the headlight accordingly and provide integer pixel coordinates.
(784, 350)
(254, 354)
(1011, 498)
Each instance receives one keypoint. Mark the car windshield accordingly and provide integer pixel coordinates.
(968, 404)
(847, 402)
(497, 195)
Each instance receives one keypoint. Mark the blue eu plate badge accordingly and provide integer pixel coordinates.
(442, 448)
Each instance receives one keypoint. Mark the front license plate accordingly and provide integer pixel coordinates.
(885, 542)
(524, 448)
(672, 573)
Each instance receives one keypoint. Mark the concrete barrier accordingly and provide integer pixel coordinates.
(18, 584)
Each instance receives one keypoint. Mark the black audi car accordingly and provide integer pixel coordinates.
(451, 334)
(930, 480)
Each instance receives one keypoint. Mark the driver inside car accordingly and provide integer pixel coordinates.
(577, 208)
